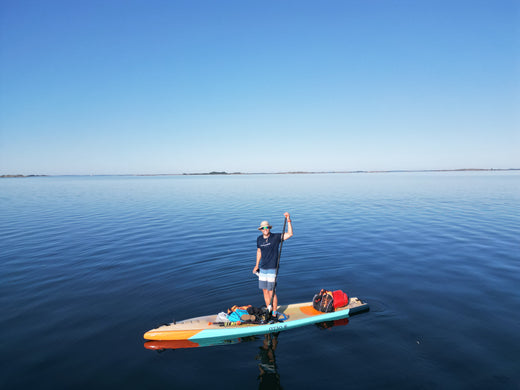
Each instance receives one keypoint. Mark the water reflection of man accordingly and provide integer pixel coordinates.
(269, 377)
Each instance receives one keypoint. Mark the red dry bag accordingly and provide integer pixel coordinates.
(340, 299)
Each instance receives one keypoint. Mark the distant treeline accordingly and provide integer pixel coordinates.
(214, 173)
(22, 176)
(291, 172)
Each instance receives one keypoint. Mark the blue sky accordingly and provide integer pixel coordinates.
(116, 87)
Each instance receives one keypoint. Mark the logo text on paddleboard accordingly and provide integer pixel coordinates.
(277, 327)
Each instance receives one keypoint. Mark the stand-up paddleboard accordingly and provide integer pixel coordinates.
(206, 327)
(162, 345)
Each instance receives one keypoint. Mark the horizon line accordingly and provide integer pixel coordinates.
(224, 173)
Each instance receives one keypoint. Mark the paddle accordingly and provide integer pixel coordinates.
(270, 312)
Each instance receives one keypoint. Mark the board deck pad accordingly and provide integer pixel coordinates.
(206, 327)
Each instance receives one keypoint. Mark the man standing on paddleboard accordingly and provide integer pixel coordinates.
(267, 259)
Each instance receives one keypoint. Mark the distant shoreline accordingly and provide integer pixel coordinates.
(16, 176)
(223, 173)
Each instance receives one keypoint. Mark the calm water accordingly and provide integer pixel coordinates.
(87, 264)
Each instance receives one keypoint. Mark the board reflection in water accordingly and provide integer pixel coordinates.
(268, 377)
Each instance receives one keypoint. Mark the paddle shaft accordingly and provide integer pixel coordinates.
(277, 267)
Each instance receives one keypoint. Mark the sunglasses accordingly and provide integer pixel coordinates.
(266, 228)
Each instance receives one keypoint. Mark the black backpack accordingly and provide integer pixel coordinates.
(323, 301)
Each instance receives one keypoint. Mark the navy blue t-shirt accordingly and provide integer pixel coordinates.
(269, 249)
